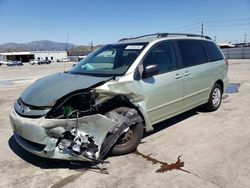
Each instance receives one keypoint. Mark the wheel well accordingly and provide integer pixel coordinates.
(118, 101)
(221, 84)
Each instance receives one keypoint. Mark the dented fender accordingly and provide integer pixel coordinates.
(131, 89)
(47, 131)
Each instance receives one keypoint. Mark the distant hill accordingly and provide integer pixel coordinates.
(82, 50)
(36, 45)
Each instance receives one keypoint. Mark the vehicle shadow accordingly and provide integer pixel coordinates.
(46, 163)
(174, 120)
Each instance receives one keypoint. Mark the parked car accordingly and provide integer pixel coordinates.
(33, 61)
(81, 57)
(43, 62)
(5, 62)
(105, 102)
(14, 63)
(63, 60)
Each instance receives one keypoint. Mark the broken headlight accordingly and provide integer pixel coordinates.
(79, 102)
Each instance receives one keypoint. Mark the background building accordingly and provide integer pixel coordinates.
(39, 55)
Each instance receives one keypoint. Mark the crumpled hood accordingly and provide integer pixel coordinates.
(47, 90)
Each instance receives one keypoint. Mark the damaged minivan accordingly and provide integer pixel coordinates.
(105, 103)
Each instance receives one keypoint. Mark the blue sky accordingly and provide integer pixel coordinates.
(107, 21)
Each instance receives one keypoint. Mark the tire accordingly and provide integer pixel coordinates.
(215, 98)
(128, 141)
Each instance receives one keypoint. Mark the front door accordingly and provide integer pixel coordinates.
(163, 92)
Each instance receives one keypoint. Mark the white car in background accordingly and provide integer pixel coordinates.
(33, 61)
(63, 60)
(4, 62)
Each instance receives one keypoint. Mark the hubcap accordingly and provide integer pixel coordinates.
(216, 98)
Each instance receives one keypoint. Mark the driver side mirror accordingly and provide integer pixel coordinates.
(150, 71)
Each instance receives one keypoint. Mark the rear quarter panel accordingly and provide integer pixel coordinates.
(220, 73)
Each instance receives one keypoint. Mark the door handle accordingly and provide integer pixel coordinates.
(187, 73)
(178, 75)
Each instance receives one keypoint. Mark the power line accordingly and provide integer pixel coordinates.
(234, 27)
(228, 29)
(214, 26)
(229, 20)
(185, 27)
(212, 21)
(207, 26)
(228, 25)
(196, 28)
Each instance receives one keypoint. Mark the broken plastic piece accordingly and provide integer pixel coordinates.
(124, 121)
(79, 143)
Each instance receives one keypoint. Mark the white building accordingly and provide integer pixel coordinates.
(39, 55)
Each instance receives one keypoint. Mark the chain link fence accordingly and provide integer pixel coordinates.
(237, 53)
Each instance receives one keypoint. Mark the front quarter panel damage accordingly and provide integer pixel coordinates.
(131, 90)
(62, 137)
(97, 126)
(48, 131)
(74, 138)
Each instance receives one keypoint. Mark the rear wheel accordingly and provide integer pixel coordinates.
(215, 98)
(130, 139)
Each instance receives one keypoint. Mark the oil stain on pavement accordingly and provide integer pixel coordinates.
(164, 167)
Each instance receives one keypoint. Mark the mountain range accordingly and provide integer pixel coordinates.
(41, 45)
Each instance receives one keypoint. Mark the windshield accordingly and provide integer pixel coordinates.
(110, 60)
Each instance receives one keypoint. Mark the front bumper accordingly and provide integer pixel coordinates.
(40, 135)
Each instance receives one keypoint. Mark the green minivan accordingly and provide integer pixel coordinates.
(105, 103)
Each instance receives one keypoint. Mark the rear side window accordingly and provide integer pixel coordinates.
(212, 50)
(192, 52)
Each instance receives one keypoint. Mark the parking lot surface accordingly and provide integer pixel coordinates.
(194, 149)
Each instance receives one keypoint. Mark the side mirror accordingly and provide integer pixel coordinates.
(150, 70)
(73, 65)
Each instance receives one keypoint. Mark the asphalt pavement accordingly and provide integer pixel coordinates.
(194, 149)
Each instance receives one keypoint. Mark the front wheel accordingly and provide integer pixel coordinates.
(130, 139)
(215, 98)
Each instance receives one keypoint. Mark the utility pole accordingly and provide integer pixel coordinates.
(215, 38)
(66, 49)
(92, 46)
(67, 42)
(245, 41)
(202, 27)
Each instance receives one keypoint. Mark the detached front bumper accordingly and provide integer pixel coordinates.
(40, 135)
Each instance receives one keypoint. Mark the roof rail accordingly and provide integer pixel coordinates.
(161, 35)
